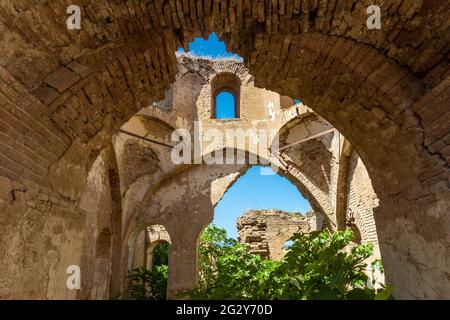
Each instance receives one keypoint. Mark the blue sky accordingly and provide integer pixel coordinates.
(253, 190)
(256, 191)
(212, 47)
(225, 105)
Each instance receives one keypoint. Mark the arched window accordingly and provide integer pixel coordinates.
(225, 105)
(225, 93)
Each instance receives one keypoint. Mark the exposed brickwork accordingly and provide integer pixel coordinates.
(63, 94)
(155, 190)
(266, 231)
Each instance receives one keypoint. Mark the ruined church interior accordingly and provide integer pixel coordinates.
(114, 146)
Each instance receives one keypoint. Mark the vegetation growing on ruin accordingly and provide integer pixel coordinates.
(161, 254)
(151, 284)
(319, 265)
(148, 284)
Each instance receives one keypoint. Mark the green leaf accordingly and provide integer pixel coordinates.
(385, 293)
(316, 266)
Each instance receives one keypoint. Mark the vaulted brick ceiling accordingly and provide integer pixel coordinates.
(63, 94)
(92, 80)
(414, 33)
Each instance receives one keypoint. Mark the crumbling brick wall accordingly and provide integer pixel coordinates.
(266, 231)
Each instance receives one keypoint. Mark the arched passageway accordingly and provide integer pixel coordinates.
(148, 261)
(63, 96)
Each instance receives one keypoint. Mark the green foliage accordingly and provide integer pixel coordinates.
(151, 284)
(161, 254)
(148, 285)
(318, 265)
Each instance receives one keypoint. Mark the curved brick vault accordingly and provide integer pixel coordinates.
(183, 197)
(63, 94)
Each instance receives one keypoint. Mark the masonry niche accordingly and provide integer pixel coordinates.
(225, 94)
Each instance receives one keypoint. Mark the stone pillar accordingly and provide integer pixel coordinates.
(149, 260)
(414, 239)
(183, 271)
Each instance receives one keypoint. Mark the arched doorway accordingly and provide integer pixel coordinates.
(383, 89)
(149, 261)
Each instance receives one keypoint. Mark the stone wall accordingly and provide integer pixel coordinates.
(133, 183)
(65, 93)
(266, 231)
(151, 180)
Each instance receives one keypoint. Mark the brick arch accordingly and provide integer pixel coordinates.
(187, 63)
(183, 203)
(352, 94)
(384, 90)
(102, 239)
(146, 203)
(148, 237)
(309, 54)
(106, 25)
(302, 84)
(198, 198)
(225, 82)
(363, 217)
(352, 209)
(302, 182)
(304, 163)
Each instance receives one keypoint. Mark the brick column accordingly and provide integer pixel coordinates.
(183, 271)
